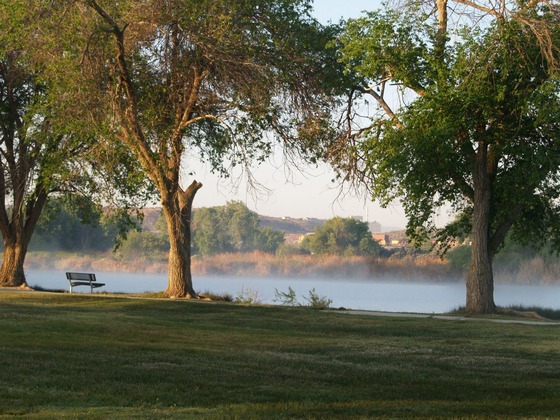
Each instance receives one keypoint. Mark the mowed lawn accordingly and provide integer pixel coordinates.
(117, 357)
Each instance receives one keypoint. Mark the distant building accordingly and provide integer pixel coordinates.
(293, 238)
(381, 239)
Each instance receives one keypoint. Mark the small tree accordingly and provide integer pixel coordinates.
(232, 228)
(342, 236)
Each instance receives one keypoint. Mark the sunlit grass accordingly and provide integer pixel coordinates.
(98, 356)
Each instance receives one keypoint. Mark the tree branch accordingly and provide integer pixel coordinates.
(501, 231)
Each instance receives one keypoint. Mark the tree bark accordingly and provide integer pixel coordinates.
(11, 272)
(441, 37)
(178, 213)
(17, 235)
(480, 278)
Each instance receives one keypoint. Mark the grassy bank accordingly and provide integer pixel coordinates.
(99, 356)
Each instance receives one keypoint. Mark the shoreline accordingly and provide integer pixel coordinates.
(410, 268)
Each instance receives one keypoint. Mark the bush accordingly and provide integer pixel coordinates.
(289, 298)
(248, 297)
(316, 301)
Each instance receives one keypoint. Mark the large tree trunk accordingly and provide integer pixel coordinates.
(11, 272)
(480, 278)
(17, 236)
(178, 213)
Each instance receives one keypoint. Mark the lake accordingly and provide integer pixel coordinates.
(390, 295)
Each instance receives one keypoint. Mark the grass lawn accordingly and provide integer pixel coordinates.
(116, 357)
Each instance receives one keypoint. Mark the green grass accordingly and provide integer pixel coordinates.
(118, 357)
(547, 313)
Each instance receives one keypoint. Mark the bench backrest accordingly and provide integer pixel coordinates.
(81, 276)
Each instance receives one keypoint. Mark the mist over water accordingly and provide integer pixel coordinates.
(377, 295)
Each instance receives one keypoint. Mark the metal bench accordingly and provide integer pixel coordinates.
(83, 279)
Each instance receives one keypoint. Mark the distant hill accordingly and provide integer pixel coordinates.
(284, 224)
(151, 216)
(289, 225)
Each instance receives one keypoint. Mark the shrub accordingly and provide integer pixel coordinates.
(316, 301)
(289, 298)
(248, 297)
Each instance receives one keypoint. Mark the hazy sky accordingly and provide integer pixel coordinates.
(292, 194)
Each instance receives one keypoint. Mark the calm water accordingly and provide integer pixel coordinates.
(389, 296)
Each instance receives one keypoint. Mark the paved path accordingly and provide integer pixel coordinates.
(448, 317)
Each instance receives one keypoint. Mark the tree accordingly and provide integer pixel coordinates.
(208, 78)
(269, 240)
(211, 231)
(45, 149)
(232, 228)
(242, 224)
(479, 131)
(76, 223)
(36, 148)
(342, 236)
(71, 225)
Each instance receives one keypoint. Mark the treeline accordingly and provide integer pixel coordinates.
(227, 238)
(76, 224)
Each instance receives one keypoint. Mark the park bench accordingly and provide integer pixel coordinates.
(83, 279)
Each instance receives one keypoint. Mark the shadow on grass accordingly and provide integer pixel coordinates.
(520, 310)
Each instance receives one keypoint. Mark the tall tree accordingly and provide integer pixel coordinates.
(36, 150)
(209, 78)
(43, 146)
(479, 128)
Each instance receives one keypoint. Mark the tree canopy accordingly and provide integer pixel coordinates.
(342, 236)
(232, 228)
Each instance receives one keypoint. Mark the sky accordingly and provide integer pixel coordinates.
(305, 191)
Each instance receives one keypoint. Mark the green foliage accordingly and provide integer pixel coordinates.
(342, 236)
(313, 300)
(269, 240)
(74, 223)
(493, 92)
(286, 250)
(512, 256)
(143, 243)
(316, 301)
(48, 147)
(288, 298)
(248, 297)
(251, 58)
(459, 258)
(231, 228)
